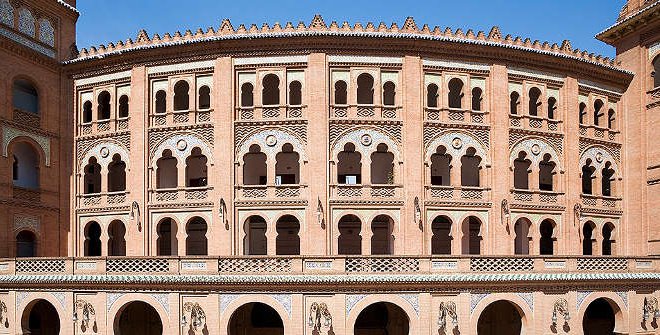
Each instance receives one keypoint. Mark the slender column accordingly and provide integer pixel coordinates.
(455, 172)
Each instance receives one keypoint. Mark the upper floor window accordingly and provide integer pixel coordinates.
(611, 119)
(166, 171)
(25, 96)
(598, 106)
(123, 106)
(455, 93)
(254, 167)
(181, 100)
(476, 99)
(349, 166)
(116, 174)
(514, 102)
(204, 97)
(656, 72)
(247, 95)
(432, 96)
(389, 91)
(552, 107)
(365, 89)
(25, 166)
(287, 166)
(161, 102)
(271, 90)
(295, 93)
(341, 93)
(87, 112)
(103, 106)
(583, 112)
(92, 178)
(534, 101)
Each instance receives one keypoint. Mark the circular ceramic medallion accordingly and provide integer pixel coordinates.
(599, 157)
(271, 140)
(365, 139)
(536, 149)
(181, 145)
(105, 152)
(457, 143)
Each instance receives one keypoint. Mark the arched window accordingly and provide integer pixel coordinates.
(25, 166)
(587, 177)
(547, 240)
(204, 99)
(196, 242)
(341, 93)
(471, 240)
(432, 96)
(92, 177)
(588, 238)
(552, 107)
(196, 172)
(26, 244)
(365, 89)
(349, 241)
(607, 174)
(598, 106)
(442, 236)
(87, 112)
(455, 93)
(608, 241)
(546, 173)
(389, 92)
(470, 168)
(514, 101)
(534, 101)
(166, 171)
(521, 171)
(116, 174)
(255, 242)
(382, 240)
(270, 94)
(287, 241)
(92, 239)
(123, 106)
(611, 119)
(181, 98)
(583, 112)
(103, 106)
(656, 72)
(349, 167)
(254, 167)
(441, 167)
(382, 165)
(247, 95)
(295, 93)
(521, 242)
(476, 99)
(25, 96)
(116, 238)
(287, 166)
(167, 242)
(161, 102)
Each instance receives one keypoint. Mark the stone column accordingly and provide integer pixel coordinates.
(137, 174)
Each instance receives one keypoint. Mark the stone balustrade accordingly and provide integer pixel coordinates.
(534, 123)
(455, 115)
(361, 111)
(102, 199)
(271, 112)
(602, 133)
(462, 193)
(249, 192)
(536, 196)
(103, 126)
(589, 200)
(366, 191)
(173, 118)
(180, 194)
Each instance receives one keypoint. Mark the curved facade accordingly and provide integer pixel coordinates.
(336, 179)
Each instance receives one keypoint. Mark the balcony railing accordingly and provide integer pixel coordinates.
(534, 123)
(27, 118)
(366, 191)
(455, 115)
(536, 196)
(364, 111)
(437, 192)
(179, 194)
(104, 126)
(250, 192)
(589, 200)
(102, 199)
(271, 112)
(597, 132)
(172, 118)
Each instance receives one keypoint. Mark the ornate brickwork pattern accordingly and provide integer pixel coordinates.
(413, 300)
(555, 142)
(40, 266)
(393, 130)
(501, 264)
(352, 300)
(26, 23)
(285, 300)
(529, 299)
(475, 298)
(180, 144)
(10, 133)
(6, 13)
(137, 265)
(599, 156)
(602, 264)
(111, 298)
(243, 131)
(536, 148)
(61, 297)
(271, 141)
(84, 145)
(624, 297)
(432, 132)
(104, 150)
(226, 299)
(366, 141)
(581, 295)
(163, 300)
(46, 32)
(26, 222)
(382, 265)
(258, 265)
(456, 144)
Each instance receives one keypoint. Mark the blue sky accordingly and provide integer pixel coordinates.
(103, 21)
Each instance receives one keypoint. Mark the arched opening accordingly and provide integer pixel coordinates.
(607, 174)
(196, 242)
(587, 177)
(116, 174)
(349, 166)
(522, 231)
(382, 240)
(611, 119)
(476, 99)
(196, 172)
(546, 173)
(365, 89)
(656, 72)
(287, 166)
(389, 93)
(534, 101)
(470, 168)
(103, 106)
(25, 96)
(255, 318)
(166, 170)
(295, 93)
(514, 101)
(25, 166)
(254, 166)
(500, 318)
(92, 176)
(247, 95)
(26, 244)
(455, 95)
(161, 102)
(167, 242)
(441, 167)
(583, 112)
(432, 96)
(521, 171)
(607, 247)
(588, 239)
(92, 239)
(382, 318)
(547, 240)
(471, 240)
(287, 241)
(138, 318)
(116, 238)
(204, 98)
(255, 241)
(599, 318)
(552, 107)
(181, 98)
(349, 241)
(598, 106)
(123, 106)
(442, 236)
(87, 112)
(270, 93)
(40, 318)
(382, 165)
(341, 93)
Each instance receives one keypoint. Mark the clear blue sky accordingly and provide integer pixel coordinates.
(104, 21)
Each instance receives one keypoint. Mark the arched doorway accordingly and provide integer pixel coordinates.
(138, 318)
(255, 318)
(382, 318)
(40, 318)
(599, 318)
(500, 318)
